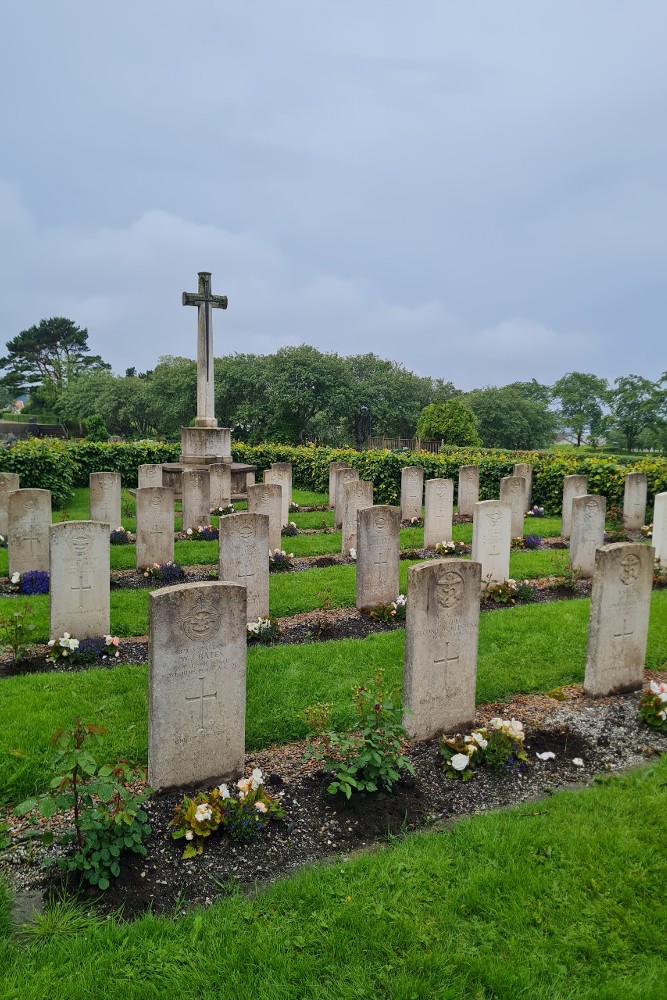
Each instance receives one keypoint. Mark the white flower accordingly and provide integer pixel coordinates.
(224, 791)
(256, 779)
(577, 761)
(479, 740)
(51, 642)
(400, 601)
(459, 761)
(73, 643)
(16, 577)
(189, 835)
(119, 529)
(189, 531)
(290, 555)
(495, 722)
(353, 553)
(203, 813)
(260, 807)
(547, 755)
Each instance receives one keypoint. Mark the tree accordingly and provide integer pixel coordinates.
(637, 405)
(452, 422)
(45, 358)
(506, 418)
(582, 397)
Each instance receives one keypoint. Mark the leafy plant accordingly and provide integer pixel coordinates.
(33, 581)
(653, 706)
(119, 536)
(498, 746)
(290, 530)
(450, 548)
(88, 650)
(203, 533)
(264, 630)
(223, 511)
(16, 629)
(365, 760)
(167, 572)
(280, 561)
(507, 592)
(389, 612)
(107, 814)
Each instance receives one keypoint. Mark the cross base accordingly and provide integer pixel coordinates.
(206, 422)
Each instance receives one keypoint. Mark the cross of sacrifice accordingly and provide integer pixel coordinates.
(205, 301)
(81, 589)
(446, 659)
(201, 698)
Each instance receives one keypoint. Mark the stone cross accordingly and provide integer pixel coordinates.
(205, 301)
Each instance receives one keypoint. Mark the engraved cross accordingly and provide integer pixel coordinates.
(446, 659)
(201, 698)
(81, 589)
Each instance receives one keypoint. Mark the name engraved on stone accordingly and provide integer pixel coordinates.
(449, 589)
(201, 698)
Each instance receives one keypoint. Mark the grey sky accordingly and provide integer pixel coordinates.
(477, 190)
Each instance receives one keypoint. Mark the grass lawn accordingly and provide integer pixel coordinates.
(555, 900)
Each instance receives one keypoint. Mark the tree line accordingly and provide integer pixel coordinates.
(301, 394)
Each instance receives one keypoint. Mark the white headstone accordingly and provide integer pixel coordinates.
(588, 514)
(525, 470)
(9, 482)
(412, 487)
(513, 490)
(441, 628)
(618, 627)
(244, 558)
(278, 478)
(196, 498)
(105, 498)
(660, 528)
(468, 494)
(220, 482)
(573, 486)
(492, 539)
(378, 531)
(155, 526)
(343, 476)
(266, 498)
(438, 512)
(79, 584)
(286, 469)
(356, 495)
(333, 469)
(149, 475)
(634, 501)
(29, 515)
(196, 684)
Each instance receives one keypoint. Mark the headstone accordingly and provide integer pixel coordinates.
(412, 487)
(105, 498)
(266, 498)
(356, 496)
(279, 478)
(79, 584)
(573, 486)
(343, 476)
(618, 626)
(492, 539)
(634, 501)
(149, 475)
(513, 490)
(9, 482)
(438, 512)
(196, 498)
(468, 494)
(660, 528)
(334, 467)
(525, 470)
(378, 531)
(29, 516)
(286, 469)
(441, 628)
(587, 535)
(155, 526)
(244, 558)
(196, 684)
(220, 484)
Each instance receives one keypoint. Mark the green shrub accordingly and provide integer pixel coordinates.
(44, 464)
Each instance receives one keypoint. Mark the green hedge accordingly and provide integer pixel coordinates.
(51, 464)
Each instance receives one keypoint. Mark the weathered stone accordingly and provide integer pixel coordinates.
(356, 496)
(438, 512)
(468, 494)
(280, 477)
(155, 526)
(513, 490)
(634, 501)
(587, 535)
(196, 498)
(29, 516)
(196, 684)
(412, 488)
(79, 583)
(334, 467)
(286, 469)
(660, 528)
(205, 302)
(9, 482)
(573, 486)
(149, 475)
(266, 498)
(441, 629)
(618, 626)
(525, 470)
(244, 558)
(492, 539)
(220, 483)
(105, 498)
(204, 445)
(343, 476)
(378, 531)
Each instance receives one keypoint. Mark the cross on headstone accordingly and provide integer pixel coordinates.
(243, 575)
(156, 529)
(380, 562)
(81, 590)
(494, 551)
(624, 634)
(446, 659)
(201, 698)
(205, 301)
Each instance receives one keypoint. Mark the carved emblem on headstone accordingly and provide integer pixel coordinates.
(359, 495)
(591, 509)
(245, 531)
(493, 516)
(201, 621)
(80, 542)
(449, 589)
(380, 520)
(629, 569)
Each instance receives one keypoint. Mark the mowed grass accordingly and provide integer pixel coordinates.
(555, 900)
(521, 650)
